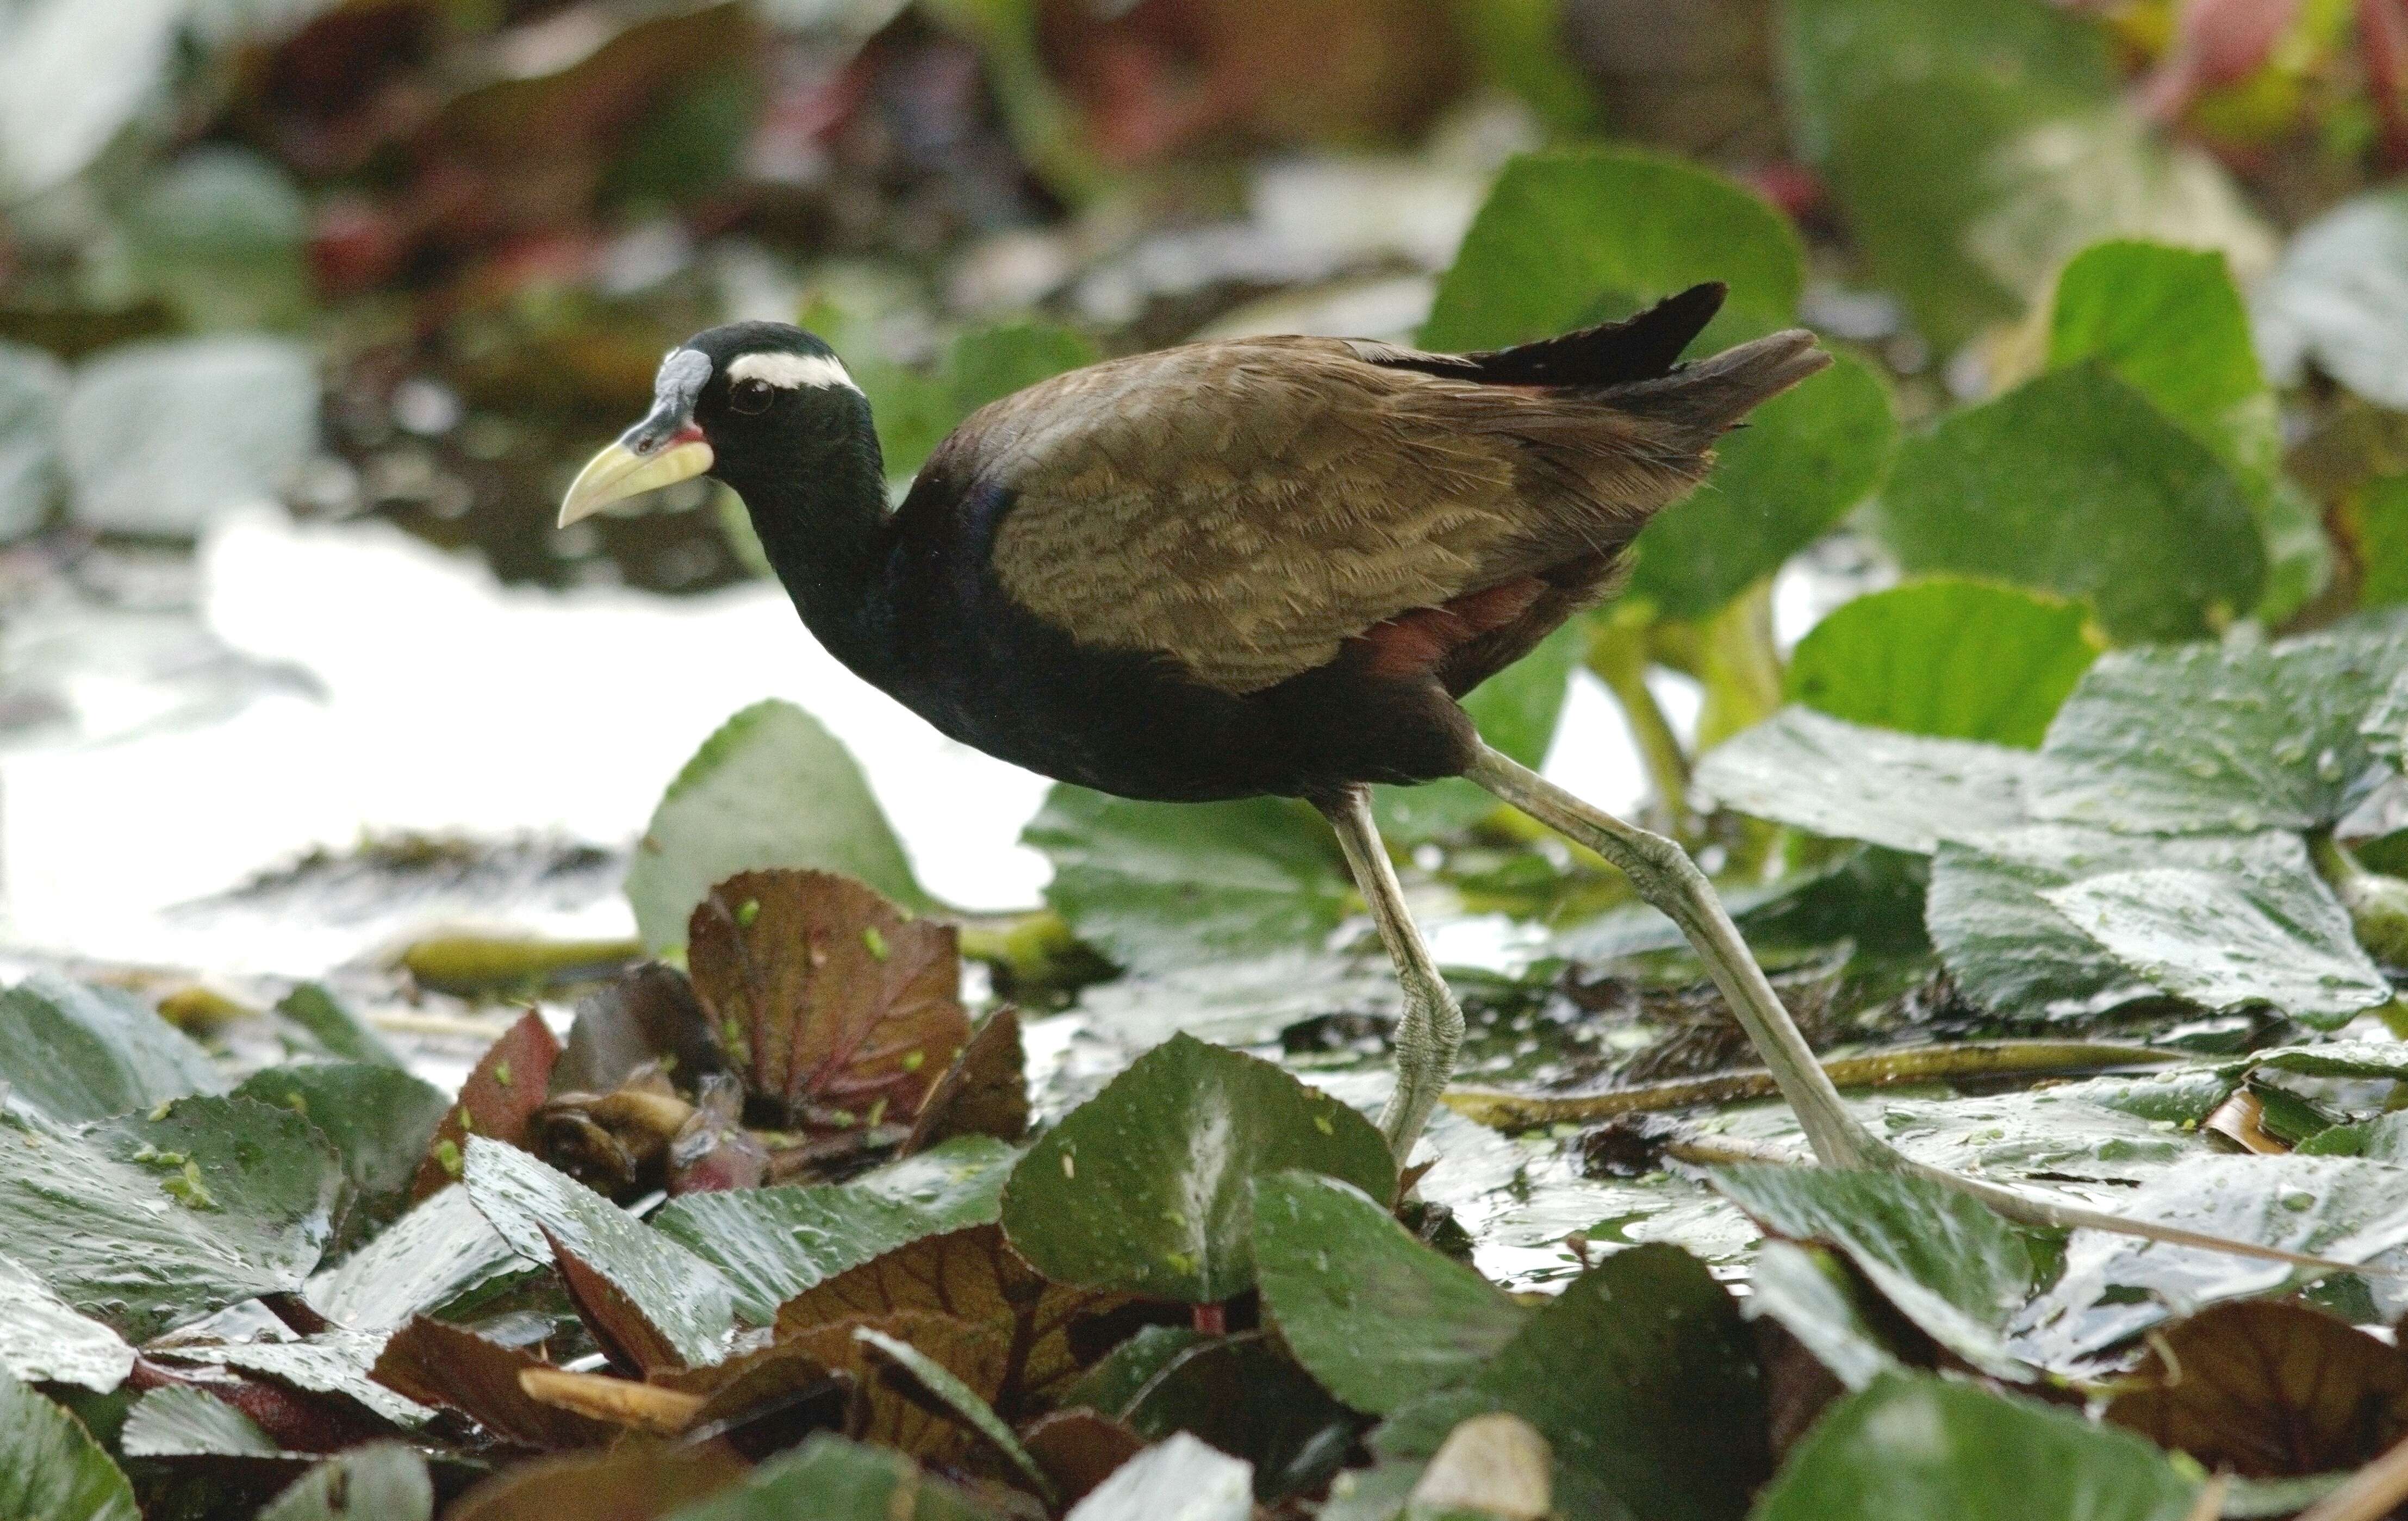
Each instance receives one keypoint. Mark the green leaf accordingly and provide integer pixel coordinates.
(433, 1257)
(1179, 1480)
(1160, 886)
(680, 1295)
(221, 234)
(773, 1243)
(146, 1223)
(334, 1361)
(962, 1401)
(44, 1341)
(1377, 1316)
(771, 788)
(1949, 1265)
(378, 1118)
(381, 1482)
(915, 410)
(1803, 460)
(2217, 737)
(74, 1053)
(159, 436)
(1950, 658)
(33, 391)
(830, 1479)
(334, 1028)
(2166, 321)
(2336, 299)
(2115, 1286)
(2074, 484)
(68, 85)
(1574, 237)
(1808, 1292)
(1514, 710)
(1642, 1376)
(1906, 792)
(1913, 1447)
(1146, 1187)
(184, 1421)
(50, 1469)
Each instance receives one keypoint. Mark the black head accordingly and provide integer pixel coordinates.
(751, 403)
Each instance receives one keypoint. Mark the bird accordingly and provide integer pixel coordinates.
(1245, 567)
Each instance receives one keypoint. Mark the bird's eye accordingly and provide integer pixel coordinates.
(752, 397)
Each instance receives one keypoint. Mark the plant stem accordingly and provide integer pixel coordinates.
(1739, 666)
(1618, 654)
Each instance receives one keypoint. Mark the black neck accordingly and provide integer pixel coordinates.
(825, 528)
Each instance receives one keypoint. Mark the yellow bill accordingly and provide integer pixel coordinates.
(620, 472)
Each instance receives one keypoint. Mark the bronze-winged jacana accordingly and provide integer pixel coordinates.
(1259, 565)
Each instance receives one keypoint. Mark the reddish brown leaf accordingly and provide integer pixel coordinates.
(888, 1405)
(1079, 1449)
(633, 1482)
(435, 1364)
(2269, 1389)
(499, 1102)
(626, 1335)
(842, 1012)
(985, 1092)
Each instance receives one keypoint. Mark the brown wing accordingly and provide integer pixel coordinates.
(1245, 508)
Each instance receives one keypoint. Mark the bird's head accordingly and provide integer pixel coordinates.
(732, 402)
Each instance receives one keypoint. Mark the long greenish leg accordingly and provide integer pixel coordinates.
(1664, 876)
(1431, 1031)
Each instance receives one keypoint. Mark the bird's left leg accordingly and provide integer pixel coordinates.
(1431, 1030)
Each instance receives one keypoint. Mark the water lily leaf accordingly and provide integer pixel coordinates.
(146, 1223)
(50, 1469)
(774, 1244)
(829, 1477)
(2240, 736)
(499, 1102)
(159, 436)
(381, 1482)
(1242, 1395)
(1162, 887)
(1807, 1292)
(2203, 937)
(983, 1093)
(679, 1295)
(434, 1364)
(184, 1421)
(1333, 1264)
(1911, 1447)
(1178, 1480)
(334, 1361)
(1562, 241)
(2268, 1390)
(1906, 792)
(2115, 1287)
(1957, 1270)
(975, 1276)
(2166, 321)
(378, 1118)
(771, 788)
(2336, 299)
(841, 1010)
(44, 1341)
(2168, 548)
(337, 1031)
(1643, 1379)
(74, 1053)
(1950, 658)
(439, 1253)
(1804, 458)
(33, 392)
(1147, 1186)
(2052, 1135)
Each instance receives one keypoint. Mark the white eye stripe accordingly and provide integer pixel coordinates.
(791, 371)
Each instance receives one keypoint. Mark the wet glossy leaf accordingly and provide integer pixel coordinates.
(2268, 1390)
(335, 1030)
(983, 1093)
(1957, 1270)
(890, 1405)
(160, 436)
(1912, 1447)
(1561, 243)
(1808, 1293)
(1945, 657)
(774, 1244)
(499, 1102)
(75, 1053)
(1802, 461)
(1377, 1316)
(1642, 1377)
(384, 1482)
(2336, 299)
(1147, 1186)
(1243, 1395)
(2167, 546)
(1178, 1480)
(771, 788)
(146, 1223)
(632, 1482)
(966, 1406)
(182, 1421)
(44, 1341)
(2238, 736)
(33, 391)
(1161, 886)
(831, 1478)
(379, 1119)
(336, 1361)
(679, 1296)
(1902, 791)
(50, 1469)
(435, 1364)
(2115, 1287)
(836, 1005)
(438, 1252)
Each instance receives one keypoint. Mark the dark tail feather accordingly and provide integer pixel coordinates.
(1708, 397)
(1640, 348)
